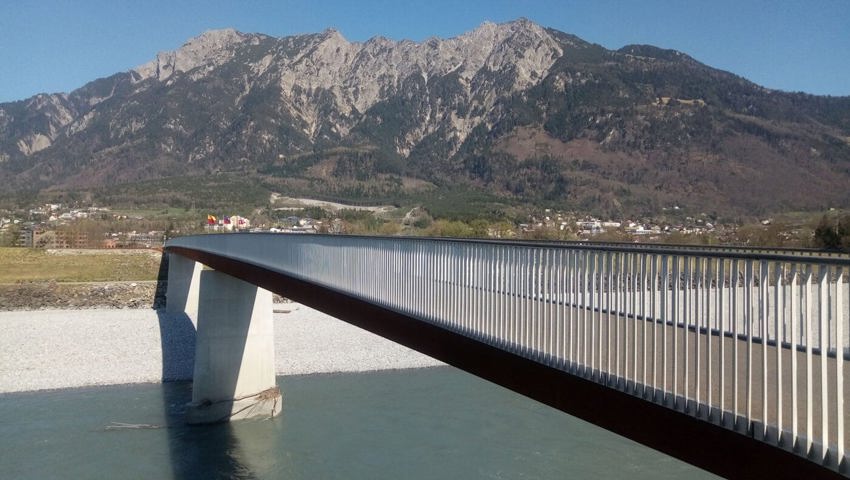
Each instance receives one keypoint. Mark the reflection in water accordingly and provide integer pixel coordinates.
(431, 423)
(203, 451)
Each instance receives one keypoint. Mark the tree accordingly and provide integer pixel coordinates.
(833, 233)
(9, 236)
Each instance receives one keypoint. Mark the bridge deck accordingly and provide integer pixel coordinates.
(535, 318)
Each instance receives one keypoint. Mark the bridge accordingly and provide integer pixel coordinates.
(730, 359)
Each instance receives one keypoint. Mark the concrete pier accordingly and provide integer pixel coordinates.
(183, 284)
(234, 374)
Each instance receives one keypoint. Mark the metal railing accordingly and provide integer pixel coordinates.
(757, 343)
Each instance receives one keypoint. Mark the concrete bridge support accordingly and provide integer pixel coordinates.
(183, 283)
(234, 348)
(234, 352)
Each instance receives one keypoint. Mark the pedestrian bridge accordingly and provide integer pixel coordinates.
(730, 359)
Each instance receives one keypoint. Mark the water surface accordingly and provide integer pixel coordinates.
(412, 424)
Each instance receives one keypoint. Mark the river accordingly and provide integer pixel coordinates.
(413, 424)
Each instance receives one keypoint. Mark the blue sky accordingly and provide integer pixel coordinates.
(59, 45)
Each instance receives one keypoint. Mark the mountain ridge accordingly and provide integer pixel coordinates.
(526, 112)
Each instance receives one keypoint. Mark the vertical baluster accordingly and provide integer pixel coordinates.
(748, 325)
(554, 306)
(525, 294)
(448, 276)
(441, 284)
(525, 260)
(839, 363)
(433, 280)
(583, 322)
(763, 314)
(823, 325)
(610, 301)
(807, 328)
(534, 303)
(687, 306)
(697, 322)
(674, 317)
(637, 276)
(471, 292)
(622, 339)
(505, 299)
(561, 309)
(576, 306)
(412, 293)
(721, 309)
(618, 298)
(547, 305)
(484, 259)
(540, 310)
(569, 302)
(514, 278)
(497, 291)
(733, 317)
(435, 253)
(419, 289)
(507, 293)
(764, 271)
(474, 292)
(779, 334)
(795, 320)
(522, 266)
(589, 328)
(534, 310)
(426, 265)
(490, 266)
(587, 301)
(596, 331)
(573, 312)
(485, 264)
(464, 285)
(580, 302)
(554, 295)
(431, 265)
(706, 279)
(455, 271)
(384, 294)
(492, 272)
(540, 306)
(657, 314)
(644, 286)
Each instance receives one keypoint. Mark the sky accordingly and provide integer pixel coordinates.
(60, 45)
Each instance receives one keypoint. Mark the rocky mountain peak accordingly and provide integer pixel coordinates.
(332, 34)
(209, 49)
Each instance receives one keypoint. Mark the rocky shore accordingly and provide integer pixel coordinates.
(53, 295)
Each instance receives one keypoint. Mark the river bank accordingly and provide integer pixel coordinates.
(52, 349)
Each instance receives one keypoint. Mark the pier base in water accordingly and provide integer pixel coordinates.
(267, 403)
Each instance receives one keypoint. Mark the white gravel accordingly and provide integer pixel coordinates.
(50, 349)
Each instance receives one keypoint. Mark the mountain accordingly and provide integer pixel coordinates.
(525, 113)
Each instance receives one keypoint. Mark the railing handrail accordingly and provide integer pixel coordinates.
(740, 253)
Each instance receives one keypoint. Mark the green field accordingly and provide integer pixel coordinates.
(26, 265)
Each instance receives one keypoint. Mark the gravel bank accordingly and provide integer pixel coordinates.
(49, 349)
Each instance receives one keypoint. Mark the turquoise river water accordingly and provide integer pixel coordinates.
(435, 423)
